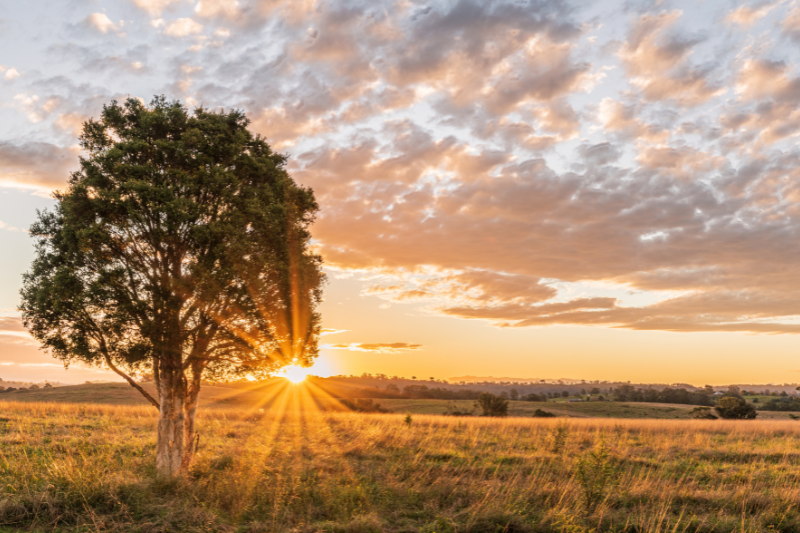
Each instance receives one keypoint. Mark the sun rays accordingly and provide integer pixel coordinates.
(296, 374)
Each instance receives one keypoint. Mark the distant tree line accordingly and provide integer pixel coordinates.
(627, 393)
(789, 403)
(32, 387)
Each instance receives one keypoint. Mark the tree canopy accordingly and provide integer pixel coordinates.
(180, 247)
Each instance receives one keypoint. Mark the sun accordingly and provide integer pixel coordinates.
(295, 374)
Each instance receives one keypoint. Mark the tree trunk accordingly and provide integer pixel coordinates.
(170, 445)
(190, 407)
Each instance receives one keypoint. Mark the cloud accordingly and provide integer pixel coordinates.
(747, 16)
(510, 162)
(101, 23)
(658, 62)
(131, 61)
(36, 165)
(154, 7)
(768, 82)
(217, 8)
(329, 331)
(791, 25)
(482, 244)
(623, 120)
(6, 227)
(380, 347)
(183, 27)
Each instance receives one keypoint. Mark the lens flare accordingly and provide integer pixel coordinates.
(295, 374)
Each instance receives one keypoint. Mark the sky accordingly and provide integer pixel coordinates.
(589, 189)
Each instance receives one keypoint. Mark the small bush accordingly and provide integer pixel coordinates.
(492, 405)
(735, 408)
(595, 473)
(702, 413)
(542, 414)
(559, 436)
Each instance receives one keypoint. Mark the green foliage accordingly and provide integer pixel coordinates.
(539, 413)
(781, 404)
(628, 393)
(533, 397)
(595, 473)
(735, 408)
(492, 405)
(181, 242)
(408, 420)
(558, 437)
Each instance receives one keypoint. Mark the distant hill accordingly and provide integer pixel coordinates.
(242, 395)
(482, 379)
(26, 384)
(329, 390)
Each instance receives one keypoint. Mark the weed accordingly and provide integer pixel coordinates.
(558, 437)
(595, 473)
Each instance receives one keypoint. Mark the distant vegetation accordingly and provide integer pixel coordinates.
(492, 405)
(781, 404)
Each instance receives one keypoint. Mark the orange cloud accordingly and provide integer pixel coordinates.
(747, 16)
(37, 165)
(380, 347)
(658, 62)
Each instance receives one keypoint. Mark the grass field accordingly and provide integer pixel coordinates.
(244, 398)
(72, 467)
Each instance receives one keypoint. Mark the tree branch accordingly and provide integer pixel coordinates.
(126, 377)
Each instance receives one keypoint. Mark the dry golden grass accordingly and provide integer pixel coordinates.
(90, 468)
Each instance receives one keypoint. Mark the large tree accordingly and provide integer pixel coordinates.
(181, 248)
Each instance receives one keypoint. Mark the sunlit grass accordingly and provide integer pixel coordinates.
(295, 467)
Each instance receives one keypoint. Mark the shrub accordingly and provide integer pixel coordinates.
(533, 397)
(492, 405)
(542, 414)
(595, 473)
(559, 435)
(702, 413)
(735, 408)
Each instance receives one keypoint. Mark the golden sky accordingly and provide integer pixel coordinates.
(592, 190)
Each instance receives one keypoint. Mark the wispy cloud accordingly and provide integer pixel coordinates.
(379, 347)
